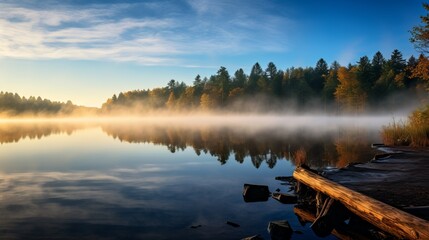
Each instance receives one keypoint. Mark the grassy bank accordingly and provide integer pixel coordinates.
(413, 132)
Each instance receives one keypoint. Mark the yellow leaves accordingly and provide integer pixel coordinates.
(399, 79)
(422, 70)
(171, 100)
(349, 93)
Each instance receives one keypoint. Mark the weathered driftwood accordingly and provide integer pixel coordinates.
(340, 231)
(333, 213)
(386, 217)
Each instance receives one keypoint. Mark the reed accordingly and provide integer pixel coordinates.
(414, 132)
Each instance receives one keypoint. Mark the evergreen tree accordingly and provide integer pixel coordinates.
(223, 82)
(377, 64)
(254, 76)
(198, 86)
(320, 73)
(331, 83)
(396, 62)
(364, 74)
(239, 79)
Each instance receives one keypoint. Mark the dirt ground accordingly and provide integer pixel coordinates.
(400, 178)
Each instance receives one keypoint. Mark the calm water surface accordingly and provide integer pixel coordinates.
(155, 179)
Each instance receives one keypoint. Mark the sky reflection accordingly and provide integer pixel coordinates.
(140, 180)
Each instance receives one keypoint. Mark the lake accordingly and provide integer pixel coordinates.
(163, 178)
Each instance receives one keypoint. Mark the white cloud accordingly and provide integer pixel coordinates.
(29, 34)
(106, 32)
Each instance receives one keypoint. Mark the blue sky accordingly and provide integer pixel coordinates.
(87, 50)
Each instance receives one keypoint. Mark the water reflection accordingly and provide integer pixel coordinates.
(263, 145)
(11, 132)
(154, 180)
(268, 145)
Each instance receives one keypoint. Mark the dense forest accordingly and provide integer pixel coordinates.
(369, 84)
(366, 85)
(11, 104)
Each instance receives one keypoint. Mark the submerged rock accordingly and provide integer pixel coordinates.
(233, 224)
(255, 193)
(280, 230)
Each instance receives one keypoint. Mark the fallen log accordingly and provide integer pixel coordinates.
(333, 213)
(341, 232)
(381, 215)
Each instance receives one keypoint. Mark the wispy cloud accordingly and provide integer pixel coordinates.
(158, 35)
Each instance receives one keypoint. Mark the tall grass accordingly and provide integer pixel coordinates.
(413, 132)
(396, 134)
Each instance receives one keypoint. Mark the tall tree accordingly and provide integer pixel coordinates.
(364, 73)
(198, 86)
(171, 101)
(349, 93)
(421, 70)
(392, 77)
(271, 71)
(270, 80)
(239, 79)
(320, 73)
(171, 84)
(420, 34)
(377, 64)
(296, 85)
(223, 81)
(420, 38)
(254, 76)
(411, 65)
(396, 61)
(331, 83)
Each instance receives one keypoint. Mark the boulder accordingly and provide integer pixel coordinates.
(255, 193)
(280, 230)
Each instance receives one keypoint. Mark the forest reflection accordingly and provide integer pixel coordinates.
(13, 132)
(265, 145)
(335, 148)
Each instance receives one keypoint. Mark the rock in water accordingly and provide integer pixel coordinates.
(255, 193)
(280, 230)
(233, 224)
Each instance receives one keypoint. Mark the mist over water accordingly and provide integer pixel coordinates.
(155, 177)
(226, 137)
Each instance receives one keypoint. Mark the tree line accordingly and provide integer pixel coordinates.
(348, 88)
(11, 104)
(14, 104)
